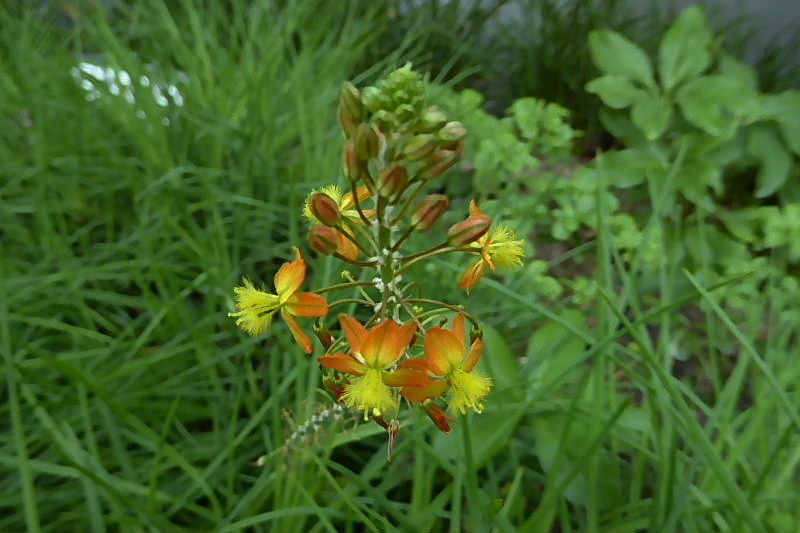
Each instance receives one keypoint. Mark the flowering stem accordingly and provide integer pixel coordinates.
(443, 248)
(341, 286)
(352, 239)
(456, 308)
(339, 256)
(409, 202)
(357, 203)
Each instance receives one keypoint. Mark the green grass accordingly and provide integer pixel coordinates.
(133, 403)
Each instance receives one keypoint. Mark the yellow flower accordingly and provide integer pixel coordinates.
(451, 367)
(498, 249)
(257, 308)
(372, 354)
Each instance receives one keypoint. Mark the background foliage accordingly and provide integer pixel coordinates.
(644, 359)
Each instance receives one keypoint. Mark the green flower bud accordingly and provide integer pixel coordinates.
(324, 208)
(393, 180)
(323, 240)
(429, 210)
(469, 230)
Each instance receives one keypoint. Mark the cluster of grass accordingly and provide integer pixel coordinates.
(132, 403)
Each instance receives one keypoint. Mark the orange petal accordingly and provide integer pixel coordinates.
(472, 276)
(363, 193)
(418, 363)
(403, 377)
(459, 330)
(347, 248)
(419, 394)
(474, 210)
(306, 304)
(290, 276)
(439, 416)
(355, 332)
(302, 339)
(387, 342)
(343, 363)
(475, 352)
(444, 351)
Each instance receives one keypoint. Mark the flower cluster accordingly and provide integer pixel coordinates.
(401, 351)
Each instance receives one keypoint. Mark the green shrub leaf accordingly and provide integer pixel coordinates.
(776, 162)
(684, 51)
(617, 55)
(616, 92)
(651, 115)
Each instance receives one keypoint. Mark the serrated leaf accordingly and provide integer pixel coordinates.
(776, 162)
(684, 51)
(616, 55)
(651, 115)
(616, 92)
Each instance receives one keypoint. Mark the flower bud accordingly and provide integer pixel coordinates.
(323, 240)
(452, 132)
(469, 230)
(420, 147)
(432, 121)
(429, 210)
(350, 104)
(438, 416)
(354, 167)
(367, 142)
(323, 334)
(392, 180)
(440, 162)
(324, 208)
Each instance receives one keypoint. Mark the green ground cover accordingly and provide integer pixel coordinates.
(643, 360)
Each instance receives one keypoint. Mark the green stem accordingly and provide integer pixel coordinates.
(341, 286)
(411, 260)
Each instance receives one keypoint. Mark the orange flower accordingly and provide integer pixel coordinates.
(256, 308)
(498, 248)
(372, 354)
(450, 366)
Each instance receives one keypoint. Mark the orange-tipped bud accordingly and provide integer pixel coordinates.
(324, 208)
(438, 416)
(452, 132)
(367, 141)
(335, 385)
(429, 210)
(432, 121)
(420, 147)
(392, 180)
(469, 230)
(354, 167)
(323, 240)
(440, 162)
(351, 109)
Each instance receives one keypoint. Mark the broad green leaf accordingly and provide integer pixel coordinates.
(712, 103)
(651, 115)
(693, 180)
(616, 92)
(684, 51)
(617, 55)
(776, 161)
(785, 109)
(618, 123)
(746, 224)
(553, 349)
(626, 168)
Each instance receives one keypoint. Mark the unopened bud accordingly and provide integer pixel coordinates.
(440, 162)
(420, 147)
(350, 102)
(324, 208)
(323, 334)
(469, 230)
(335, 385)
(392, 180)
(432, 121)
(429, 210)
(438, 416)
(354, 167)
(323, 240)
(367, 141)
(452, 132)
